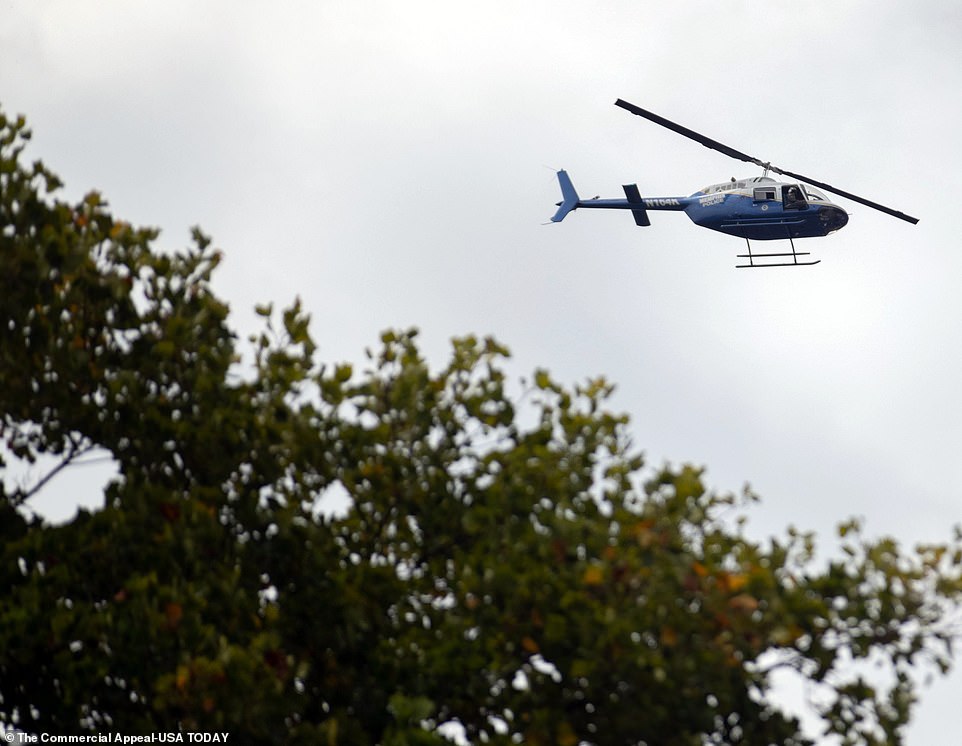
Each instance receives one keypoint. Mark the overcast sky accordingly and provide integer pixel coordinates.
(386, 162)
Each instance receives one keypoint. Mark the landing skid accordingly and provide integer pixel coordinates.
(793, 254)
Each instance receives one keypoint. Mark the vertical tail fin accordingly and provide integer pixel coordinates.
(568, 195)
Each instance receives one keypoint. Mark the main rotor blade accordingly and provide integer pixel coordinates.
(691, 134)
(738, 155)
(848, 195)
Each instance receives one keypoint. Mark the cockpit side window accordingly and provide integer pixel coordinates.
(793, 198)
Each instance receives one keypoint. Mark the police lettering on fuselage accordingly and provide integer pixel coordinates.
(711, 199)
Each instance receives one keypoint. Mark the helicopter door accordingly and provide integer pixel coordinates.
(793, 198)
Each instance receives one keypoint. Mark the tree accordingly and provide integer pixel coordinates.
(505, 564)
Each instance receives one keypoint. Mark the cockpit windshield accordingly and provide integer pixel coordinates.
(815, 195)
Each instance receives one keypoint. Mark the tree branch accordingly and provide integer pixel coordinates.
(77, 450)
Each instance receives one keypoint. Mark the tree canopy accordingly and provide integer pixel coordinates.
(507, 569)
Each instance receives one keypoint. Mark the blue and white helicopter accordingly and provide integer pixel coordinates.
(759, 208)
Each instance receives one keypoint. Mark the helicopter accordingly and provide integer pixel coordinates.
(759, 208)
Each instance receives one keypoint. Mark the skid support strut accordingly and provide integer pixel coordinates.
(794, 255)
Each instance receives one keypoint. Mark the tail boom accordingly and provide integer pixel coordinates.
(638, 205)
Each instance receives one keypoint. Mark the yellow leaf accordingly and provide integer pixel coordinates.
(732, 582)
(183, 676)
(737, 582)
(594, 575)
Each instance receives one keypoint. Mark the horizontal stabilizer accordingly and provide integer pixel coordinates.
(640, 213)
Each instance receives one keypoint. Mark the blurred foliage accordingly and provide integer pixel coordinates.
(505, 564)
